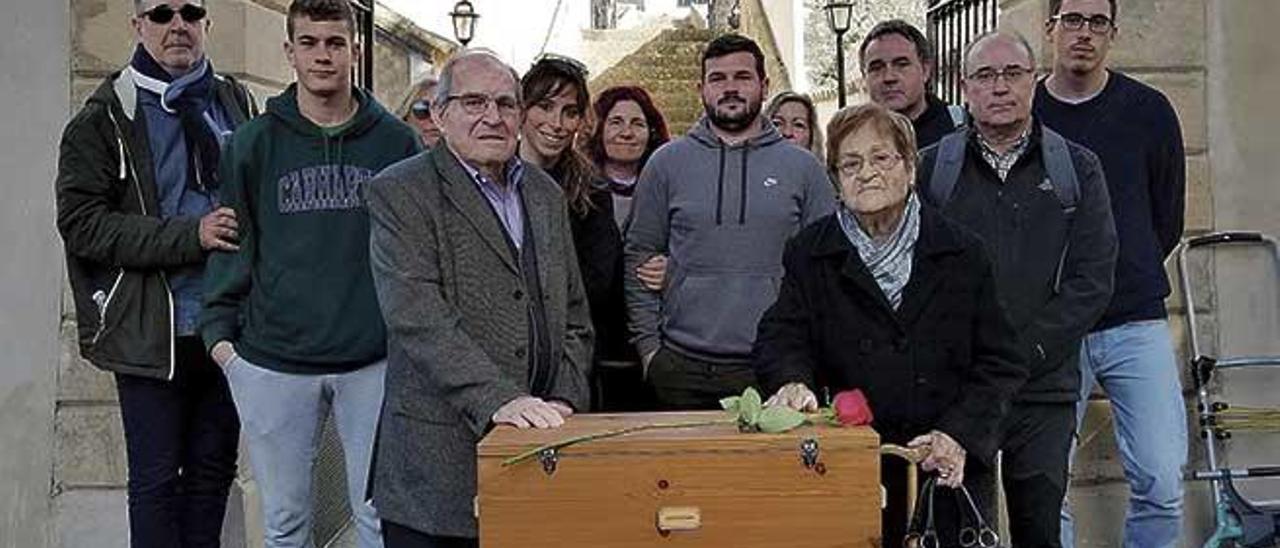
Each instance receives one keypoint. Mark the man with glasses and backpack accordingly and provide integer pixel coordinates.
(1040, 204)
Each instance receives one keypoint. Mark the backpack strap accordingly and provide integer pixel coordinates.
(1062, 175)
(959, 118)
(1061, 172)
(946, 168)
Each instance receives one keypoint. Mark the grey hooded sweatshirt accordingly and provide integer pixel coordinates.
(722, 214)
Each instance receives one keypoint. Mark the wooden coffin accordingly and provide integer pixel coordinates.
(711, 485)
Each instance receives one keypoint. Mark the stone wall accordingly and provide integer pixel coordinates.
(89, 467)
(1242, 84)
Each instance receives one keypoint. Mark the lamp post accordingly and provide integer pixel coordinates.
(838, 16)
(464, 21)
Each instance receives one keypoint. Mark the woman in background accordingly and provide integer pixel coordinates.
(415, 110)
(628, 129)
(555, 98)
(797, 120)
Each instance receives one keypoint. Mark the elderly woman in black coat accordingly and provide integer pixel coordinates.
(888, 296)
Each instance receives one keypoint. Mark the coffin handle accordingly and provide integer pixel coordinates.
(679, 518)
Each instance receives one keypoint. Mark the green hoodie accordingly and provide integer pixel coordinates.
(298, 296)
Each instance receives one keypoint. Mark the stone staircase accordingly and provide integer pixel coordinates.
(668, 68)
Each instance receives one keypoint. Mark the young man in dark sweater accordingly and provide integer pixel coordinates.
(292, 317)
(896, 60)
(1135, 132)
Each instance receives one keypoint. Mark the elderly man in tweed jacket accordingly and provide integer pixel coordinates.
(486, 316)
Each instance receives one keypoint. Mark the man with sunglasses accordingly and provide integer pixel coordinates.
(1135, 133)
(485, 308)
(292, 317)
(1040, 204)
(138, 213)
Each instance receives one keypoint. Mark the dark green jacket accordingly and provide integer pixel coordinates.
(117, 245)
(298, 296)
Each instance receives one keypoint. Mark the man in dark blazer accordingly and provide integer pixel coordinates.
(487, 320)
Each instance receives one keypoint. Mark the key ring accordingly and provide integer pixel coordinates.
(985, 536)
(928, 537)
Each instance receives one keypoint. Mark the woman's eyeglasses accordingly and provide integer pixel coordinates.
(421, 109)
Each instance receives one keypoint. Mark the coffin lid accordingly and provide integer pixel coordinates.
(506, 441)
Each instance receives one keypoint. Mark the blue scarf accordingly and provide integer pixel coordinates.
(190, 96)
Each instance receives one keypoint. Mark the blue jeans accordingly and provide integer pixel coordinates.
(280, 415)
(1135, 364)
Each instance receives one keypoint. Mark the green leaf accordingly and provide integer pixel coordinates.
(750, 406)
(828, 415)
(779, 418)
(730, 404)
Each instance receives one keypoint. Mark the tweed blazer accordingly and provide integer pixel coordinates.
(458, 329)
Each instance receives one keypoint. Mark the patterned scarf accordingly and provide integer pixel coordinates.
(190, 96)
(890, 261)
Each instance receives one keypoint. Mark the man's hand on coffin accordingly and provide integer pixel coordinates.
(528, 412)
(946, 457)
(561, 407)
(796, 396)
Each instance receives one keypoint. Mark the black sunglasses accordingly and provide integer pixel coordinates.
(421, 109)
(163, 13)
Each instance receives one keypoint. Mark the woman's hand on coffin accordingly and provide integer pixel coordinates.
(796, 396)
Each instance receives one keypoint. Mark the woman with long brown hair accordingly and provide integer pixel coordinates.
(554, 92)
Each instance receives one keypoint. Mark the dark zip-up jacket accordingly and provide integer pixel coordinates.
(722, 213)
(934, 123)
(1052, 298)
(117, 245)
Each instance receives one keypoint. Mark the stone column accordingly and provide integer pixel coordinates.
(33, 52)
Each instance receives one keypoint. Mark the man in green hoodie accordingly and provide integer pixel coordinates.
(292, 316)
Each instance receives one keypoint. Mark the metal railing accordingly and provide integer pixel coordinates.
(952, 23)
(363, 71)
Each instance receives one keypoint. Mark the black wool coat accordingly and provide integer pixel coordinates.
(946, 359)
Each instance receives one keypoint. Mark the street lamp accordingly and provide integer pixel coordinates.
(464, 21)
(838, 16)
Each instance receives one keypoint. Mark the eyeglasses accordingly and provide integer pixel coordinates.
(986, 77)
(882, 161)
(567, 63)
(476, 104)
(421, 109)
(1098, 24)
(163, 13)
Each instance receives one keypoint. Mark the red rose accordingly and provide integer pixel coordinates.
(852, 408)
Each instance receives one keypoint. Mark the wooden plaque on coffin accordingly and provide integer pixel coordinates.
(711, 485)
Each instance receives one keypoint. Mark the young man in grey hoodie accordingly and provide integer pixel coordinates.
(721, 202)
